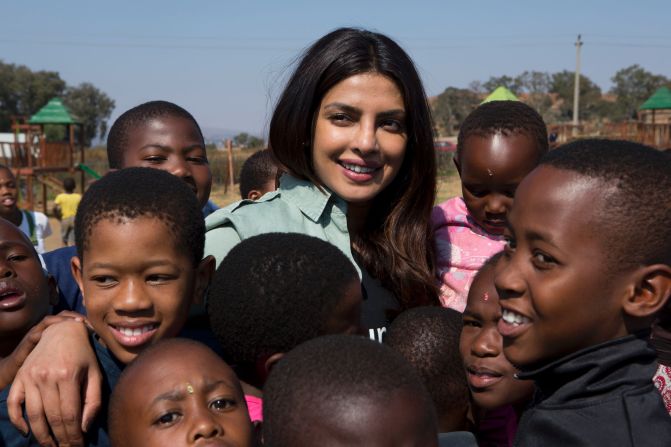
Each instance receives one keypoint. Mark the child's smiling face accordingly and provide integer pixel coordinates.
(172, 144)
(25, 291)
(556, 289)
(183, 396)
(490, 375)
(491, 167)
(137, 282)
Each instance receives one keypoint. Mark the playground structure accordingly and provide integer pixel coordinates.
(36, 161)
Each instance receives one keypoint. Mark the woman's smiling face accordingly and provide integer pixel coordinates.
(360, 137)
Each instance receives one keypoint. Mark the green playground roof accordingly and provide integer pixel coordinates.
(661, 99)
(54, 112)
(500, 94)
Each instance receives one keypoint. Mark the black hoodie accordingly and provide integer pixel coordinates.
(599, 396)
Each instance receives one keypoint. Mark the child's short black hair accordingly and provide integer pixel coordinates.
(138, 192)
(428, 338)
(256, 171)
(273, 292)
(69, 184)
(506, 117)
(635, 182)
(324, 376)
(137, 116)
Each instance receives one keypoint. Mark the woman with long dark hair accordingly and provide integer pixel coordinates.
(353, 131)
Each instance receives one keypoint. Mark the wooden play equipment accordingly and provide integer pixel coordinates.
(36, 161)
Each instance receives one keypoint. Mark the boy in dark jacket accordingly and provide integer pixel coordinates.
(586, 268)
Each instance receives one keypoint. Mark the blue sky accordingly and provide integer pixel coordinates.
(225, 60)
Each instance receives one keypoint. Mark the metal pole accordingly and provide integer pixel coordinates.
(576, 86)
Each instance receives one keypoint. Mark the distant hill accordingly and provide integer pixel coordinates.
(216, 135)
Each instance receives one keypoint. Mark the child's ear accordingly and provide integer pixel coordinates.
(651, 292)
(53, 290)
(254, 194)
(204, 273)
(270, 363)
(76, 267)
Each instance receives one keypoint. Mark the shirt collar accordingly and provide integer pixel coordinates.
(310, 199)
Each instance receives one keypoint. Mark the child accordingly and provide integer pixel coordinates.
(140, 238)
(274, 291)
(498, 397)
(428, 338)
(178, 393)
(339, 390)
(156, 134)
(65, 208)
(34, 224)
(258, 175)
(586, 268)
(499, 143)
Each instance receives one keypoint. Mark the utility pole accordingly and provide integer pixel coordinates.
(576, 86)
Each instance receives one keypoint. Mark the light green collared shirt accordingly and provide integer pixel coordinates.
(298, 206)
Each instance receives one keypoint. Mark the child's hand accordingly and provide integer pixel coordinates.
(11, 364)
(51, 380)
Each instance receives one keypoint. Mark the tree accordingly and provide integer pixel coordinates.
(632, 86)
(452, 106)
(241, 139)
(255, 142)
(536, 86)
(506, 81)
(92, 107)
(591, 103)
(24, 92)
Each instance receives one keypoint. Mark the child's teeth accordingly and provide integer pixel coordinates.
(130, 332)
(358, 169)
(514, 318)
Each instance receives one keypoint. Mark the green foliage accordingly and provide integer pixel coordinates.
(633, 85)
(91, 107)
(512, 84)
(451, 107)
(24, 92)
(55, 132)
(243, 139)
(591, 103)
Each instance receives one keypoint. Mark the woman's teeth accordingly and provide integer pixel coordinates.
(357, 168)
(511, 317)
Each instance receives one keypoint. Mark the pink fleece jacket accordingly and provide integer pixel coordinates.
(461, 247)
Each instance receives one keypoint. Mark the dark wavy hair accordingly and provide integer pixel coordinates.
(395, 245)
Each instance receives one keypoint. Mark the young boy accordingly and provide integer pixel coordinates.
(156, 134)
(499, 143)
(340, 390)
(258, 175)
(140, 238)
(179, 393)
(498, 397)
(275, 291)
(34, 224)
(428, 338)
(585, 270)
(65, 208)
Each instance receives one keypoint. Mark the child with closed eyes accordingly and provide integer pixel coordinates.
(499, 143)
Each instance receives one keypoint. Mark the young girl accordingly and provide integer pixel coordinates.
(499, 143)
(498, 398)
(353, 130)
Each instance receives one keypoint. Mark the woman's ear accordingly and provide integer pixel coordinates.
(204, 273)
(651, 291)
